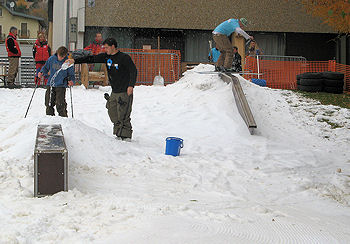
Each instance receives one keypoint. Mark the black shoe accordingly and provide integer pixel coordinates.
(128, 139)
(13, 86)
(106, 95)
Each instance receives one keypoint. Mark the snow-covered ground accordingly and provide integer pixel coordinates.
(288, 183)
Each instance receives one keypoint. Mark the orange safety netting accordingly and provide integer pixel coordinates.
(282, 74)
(151, 63)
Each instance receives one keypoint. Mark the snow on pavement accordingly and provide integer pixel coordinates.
(288, 183)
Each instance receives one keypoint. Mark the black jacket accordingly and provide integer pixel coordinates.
(121, 69)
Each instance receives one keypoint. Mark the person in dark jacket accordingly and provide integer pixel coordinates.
(14, 53)
(57, 83)
(237, 60)
(122, 75)
(41, 53)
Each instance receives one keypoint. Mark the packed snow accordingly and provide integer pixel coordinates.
(288, 183)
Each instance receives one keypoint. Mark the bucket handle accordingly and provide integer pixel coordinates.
(179, 139)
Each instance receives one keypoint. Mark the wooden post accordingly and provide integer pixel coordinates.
(239, 42)
(104, 70)
(85, 75)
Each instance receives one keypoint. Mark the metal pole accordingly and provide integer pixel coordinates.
(257, 61)
(25, 116)
(71, 100)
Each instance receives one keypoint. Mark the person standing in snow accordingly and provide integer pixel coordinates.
(221, 36)
(57, 83)
(122, 75)
(14, 53)
(41, 53)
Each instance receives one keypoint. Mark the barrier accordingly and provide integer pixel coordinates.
(281, 74)
(148, 64)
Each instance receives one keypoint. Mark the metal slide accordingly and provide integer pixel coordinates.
(241, 101)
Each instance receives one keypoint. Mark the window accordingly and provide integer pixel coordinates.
(24, 30)
(0, 12)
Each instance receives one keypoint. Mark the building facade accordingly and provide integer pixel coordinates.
(280, 27)
(28, 26)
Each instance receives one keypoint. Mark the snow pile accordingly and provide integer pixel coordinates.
(288, 183)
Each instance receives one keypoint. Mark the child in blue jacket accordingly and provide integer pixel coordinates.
(57, 83)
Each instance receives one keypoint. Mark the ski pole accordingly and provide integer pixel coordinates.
(71, 100)
(36, 85)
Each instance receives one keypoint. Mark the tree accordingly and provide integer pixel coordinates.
(335, 13)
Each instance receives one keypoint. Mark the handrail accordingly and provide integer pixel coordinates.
(241, 101)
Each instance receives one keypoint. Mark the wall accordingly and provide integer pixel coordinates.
(76, 9)
(7, 20)
(314, 47)
(263, 15)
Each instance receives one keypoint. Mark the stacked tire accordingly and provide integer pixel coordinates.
(331, 82)
(310, 82)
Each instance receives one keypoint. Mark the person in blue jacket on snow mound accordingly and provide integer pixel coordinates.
(60, 78)
(221, 36)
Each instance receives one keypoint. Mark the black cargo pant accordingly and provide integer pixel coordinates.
(119, 110)
(56, 96)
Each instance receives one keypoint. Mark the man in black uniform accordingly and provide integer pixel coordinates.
(122, 74)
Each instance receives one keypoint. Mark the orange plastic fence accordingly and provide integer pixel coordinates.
(151, 63)
(282, 74)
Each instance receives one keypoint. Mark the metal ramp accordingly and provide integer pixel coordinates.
(241, 101)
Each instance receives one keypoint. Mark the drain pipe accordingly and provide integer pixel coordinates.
(67, 24)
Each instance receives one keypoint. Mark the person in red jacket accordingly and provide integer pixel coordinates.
(41, 53)
(14, 53)
(96, 47)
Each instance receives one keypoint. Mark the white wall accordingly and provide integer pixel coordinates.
(59, 24)
(76, 9)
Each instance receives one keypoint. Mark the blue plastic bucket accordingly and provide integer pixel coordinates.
(259, 82)
(173, 146)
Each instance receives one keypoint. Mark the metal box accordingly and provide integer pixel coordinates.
(50, 161)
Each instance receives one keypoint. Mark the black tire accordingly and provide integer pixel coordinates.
(310, 88)
(332, 89)
(333, 83)
(311, 82)
(310, 75)
(333, 75)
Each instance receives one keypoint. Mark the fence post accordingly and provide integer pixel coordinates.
(331, 65)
